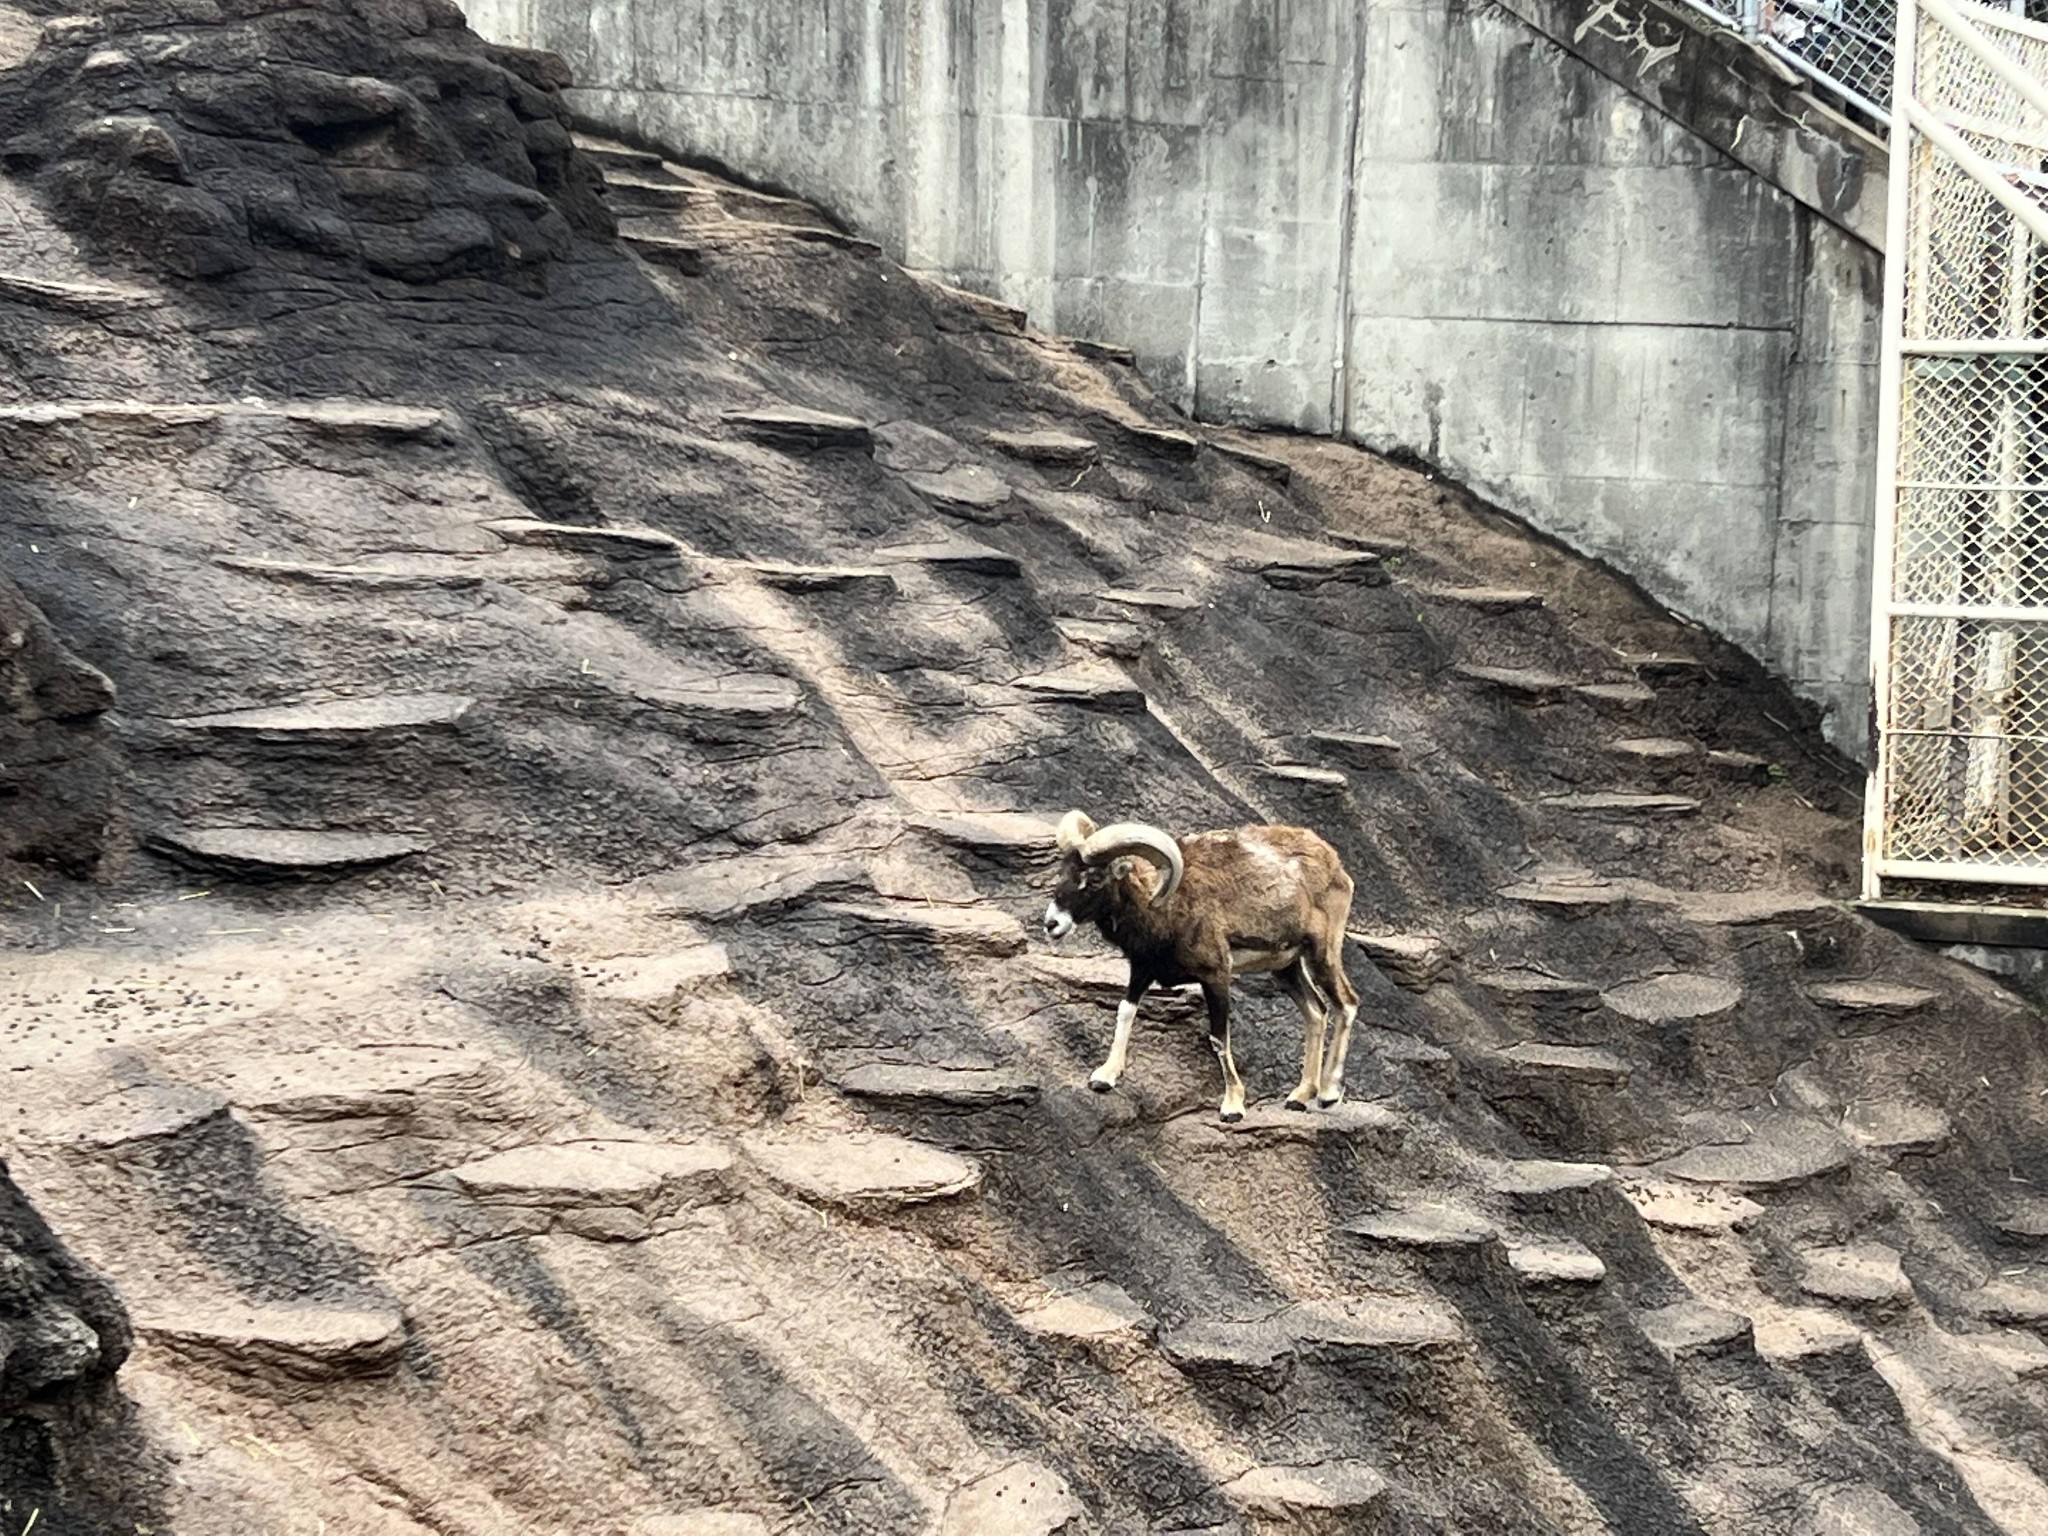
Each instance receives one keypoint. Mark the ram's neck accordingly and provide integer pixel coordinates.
(1130, 921)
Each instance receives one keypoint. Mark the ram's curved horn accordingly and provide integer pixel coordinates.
(1074, 830)
(1141, 841)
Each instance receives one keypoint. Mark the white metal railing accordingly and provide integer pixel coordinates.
(1959, 624)
(1843, 46)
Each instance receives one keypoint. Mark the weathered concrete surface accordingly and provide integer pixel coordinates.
(1591, 258)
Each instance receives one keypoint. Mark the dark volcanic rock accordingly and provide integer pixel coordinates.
(386, 138)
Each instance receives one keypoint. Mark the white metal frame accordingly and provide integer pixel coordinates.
(1925, 134)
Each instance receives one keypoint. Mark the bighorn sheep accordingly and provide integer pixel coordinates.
(1210, 907)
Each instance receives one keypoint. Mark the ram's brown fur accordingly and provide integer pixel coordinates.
(1260, 898)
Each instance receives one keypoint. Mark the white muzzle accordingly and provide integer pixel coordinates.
(1059, 922)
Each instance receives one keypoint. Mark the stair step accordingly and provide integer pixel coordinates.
(1301, 1494)
(1162, 442)
(1362, 1325)
(335, 418)
(862, 1171)
(1110, 638)
(1385, 547)
(1024, 1498)
(1623, 806)
(955, 555)
(979, 929)
(305, 1343)
(1537, 1062)
(1785, 1151)
(1313, 778)
(87, 299)
(971, 491)
(362, 577)
(765, 885)
(1148, 599)
(1659, 667)
(1537, 992)
(2024, 1221)
(608, 152)
(740, 230)
(939, 1087)
(1010, 836)
(1414, 962)
(739, 696)
(149, 1112)
(1685, 1207)
(1662, 753)
(1676, 997)
(1744, 767)
(665, 250)
(1313, 568)
(1373, 1128)
(1860, 1275)
(1615, 697)
(1359, 751)
(1787, 1335)
(1694, 1330)
(1879, 997)
(1575, 897)
(1278, 470)
(1535, 1180)
(1087, 689)
(384, 715)
(793, 426)
(643, 189)
(1745, 908)
(1063, 449)
(1524, 683)
(607, 1191)
(1096, 1310)
(1897, 1128)
(1555, 1262)
(283, 851)
(587, 538)
(986, 314)
(1425, 1227)
(869, 580)
(1483, 599)
(2020, 1300)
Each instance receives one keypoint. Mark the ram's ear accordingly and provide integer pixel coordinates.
(1074, 830)
(1120, 869)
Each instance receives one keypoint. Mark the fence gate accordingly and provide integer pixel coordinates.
(1960, 613)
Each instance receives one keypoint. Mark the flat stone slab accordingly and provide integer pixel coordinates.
(954, 555)
(1882, 997)
(1897, 1128)
(1624, 806)
(90, 299)
(1618, 697)
(1114, 638)
(2022, 1300)
(939, 1087)
(1482, 599)
(1148, 599)
(147, 1112)
(863, 1171)
(967, 489)
(703, 1522)
(279, 852)
(2024, 1354)
(1414, 962)
(1275, 469)
(1358, 750)
(1272, 1121)
(755, 696)
(1308, 571)
(1555, 1262)
(1517, 682)
(1012, 834)
(1537, 991)
(1539, 1178)
(791, 426)
(1060, 448)
(1426, 1227)
(1856, 1512)
(723, 889)
(1084, 689)
(1024, 1498)
(2026, 1220)
(365, 578)
(587, 539)
(1568, 896)
(973, 928)
(1861, 1275)
(306, 1343)
(1583, 1064)
(1360, 1324)
(1300, 773)
(339, 1082)
(609, 1191)
(1741, 909)
(673, 251)
(1743, 767)
(1785, 1152)
(1654, 751)
(1097, 1310)
(1692, 1329)
(804, 580)
(1167, 442)
(388, 713)
(1681, 1207)
(1789, 1334)
(1673, 998)
(655, 978)
(1282, 1491)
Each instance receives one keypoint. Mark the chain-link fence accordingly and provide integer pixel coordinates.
(1961, 623)
(1843, 46)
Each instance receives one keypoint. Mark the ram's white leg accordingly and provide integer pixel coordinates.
(1111, 1071)
(1310, 1088)
(1331, 1090)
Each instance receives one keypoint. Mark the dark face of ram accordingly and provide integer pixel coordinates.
(1079, 897)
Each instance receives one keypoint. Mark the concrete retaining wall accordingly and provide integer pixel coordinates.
(1589, 257)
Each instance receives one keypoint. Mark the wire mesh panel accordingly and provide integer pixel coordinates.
(1960, 645)
(1843, 46)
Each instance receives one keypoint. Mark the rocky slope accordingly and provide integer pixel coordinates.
(532, 717)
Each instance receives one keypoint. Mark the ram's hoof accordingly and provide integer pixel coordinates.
(1300, 1104)
(1101, 1084)
(1232, 1116)
(1333, 1101)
